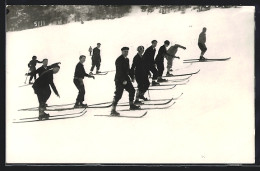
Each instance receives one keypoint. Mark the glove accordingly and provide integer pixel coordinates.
(124, 82)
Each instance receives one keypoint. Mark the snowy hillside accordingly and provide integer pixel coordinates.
(212, 122)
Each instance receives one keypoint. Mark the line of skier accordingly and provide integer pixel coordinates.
(143, 63)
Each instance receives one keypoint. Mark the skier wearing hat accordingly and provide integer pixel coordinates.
(123, 81)
(32, 66)
(96, 59)
(150, 63)
(141, 75)
(159, 60)
(79, 75)
(42, 89)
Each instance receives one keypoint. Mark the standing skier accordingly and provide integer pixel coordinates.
(171, 55)
(150, 63)
(32, 66)
(43, 68)
(42, 89)
(141, 75)
(96, 59)
(78, 81)
(123, 81)
(201, 43)
(159, 60)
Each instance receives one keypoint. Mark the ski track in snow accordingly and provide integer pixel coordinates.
(208, 120)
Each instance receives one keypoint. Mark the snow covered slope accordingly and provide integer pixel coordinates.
(213, 121)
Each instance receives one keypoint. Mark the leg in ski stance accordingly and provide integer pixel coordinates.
(80, 98)
(169, 65)
(118, 95)
(43, 95)
(95, 64)
(33, 74)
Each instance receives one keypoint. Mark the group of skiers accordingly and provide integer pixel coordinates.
(143, 63)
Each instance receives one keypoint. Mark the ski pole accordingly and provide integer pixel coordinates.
(149, 94)
(26, 76)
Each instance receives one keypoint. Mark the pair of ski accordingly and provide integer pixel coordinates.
(164, 104)
(53, 117)
(189, 74)
(206, 60)
(138, 116)
(103, 72)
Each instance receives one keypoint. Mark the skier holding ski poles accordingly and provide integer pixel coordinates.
(123, 81)
(79, 75)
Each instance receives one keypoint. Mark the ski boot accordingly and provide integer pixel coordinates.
(91, 73)
(143, 98)
(44, 116)
(77, 105)
(98, 72)
(134, 107)
(154, 83)
(83, 105)
(161, 80)
(169, 74)
(114, 113)
(138, 102)
(202, 58)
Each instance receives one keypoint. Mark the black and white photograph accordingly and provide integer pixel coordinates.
(103, 84)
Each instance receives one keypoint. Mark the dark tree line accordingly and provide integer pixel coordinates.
(20, 17)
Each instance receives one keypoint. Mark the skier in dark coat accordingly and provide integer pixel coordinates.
(150, 63)
(140, 75)
(159, 60)
(123, 81)
(201, 43)
(96, 59)
(43, 68)
(42, 89)
(78, 81)
(32, 66)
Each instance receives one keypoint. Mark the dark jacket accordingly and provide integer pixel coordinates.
(33, 62)
(80, 71)
(44, 81)
(122, 69)
(41, 69)
(138, 68)
(161, 53)
(96, 54)
(149, 56)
